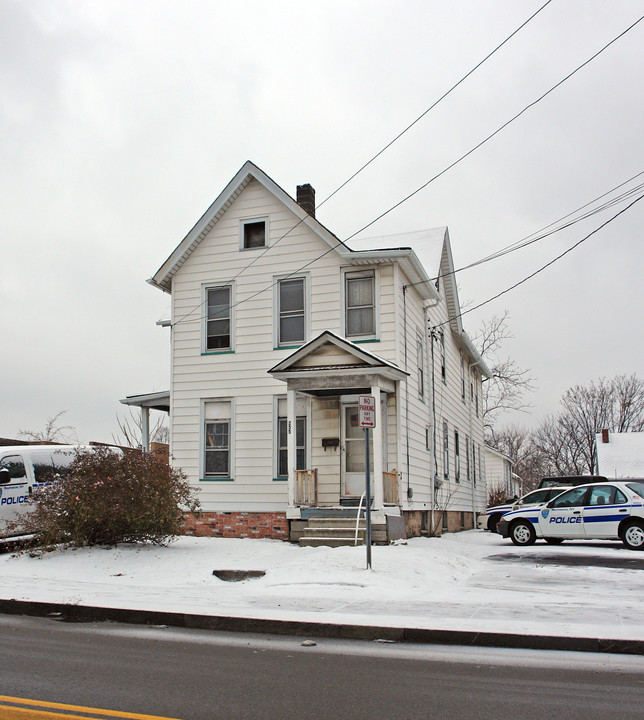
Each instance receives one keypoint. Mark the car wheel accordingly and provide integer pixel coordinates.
(522, 533)
(554, 541)
(492, 522)
(633, 535)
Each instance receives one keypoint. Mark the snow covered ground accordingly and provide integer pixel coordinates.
(456, 582)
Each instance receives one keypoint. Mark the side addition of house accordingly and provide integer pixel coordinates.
(277, 327)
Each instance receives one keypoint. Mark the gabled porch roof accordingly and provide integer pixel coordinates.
(330, 364)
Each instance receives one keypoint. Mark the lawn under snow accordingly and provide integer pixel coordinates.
(452, 582)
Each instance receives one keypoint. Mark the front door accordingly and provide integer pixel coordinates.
(353, 454)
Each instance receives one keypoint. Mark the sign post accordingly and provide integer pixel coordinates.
(367, 420)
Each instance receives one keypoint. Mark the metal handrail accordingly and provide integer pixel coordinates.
(355, 539)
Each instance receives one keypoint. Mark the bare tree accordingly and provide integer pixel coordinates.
(507, 388)
(529, 462)
(130, 432)
(567, 440)
(53, 432)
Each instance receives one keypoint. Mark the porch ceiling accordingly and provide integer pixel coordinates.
(325, 381)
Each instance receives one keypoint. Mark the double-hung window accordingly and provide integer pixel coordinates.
(300, 446)
(301, 434)
(420, 353)
(291, 311)
(218, 319)
(457, 456)
(462, 378)
(360, 304)
(474, 462)
(445, 450)
(217, 440)
(443, 362)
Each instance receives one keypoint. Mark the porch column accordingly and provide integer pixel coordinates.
(291, 452)
(378, 485)
(145, 429)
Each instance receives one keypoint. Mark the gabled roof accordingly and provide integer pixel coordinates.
(435, 251)
(163, 277)
(346, 355)
(248, 172)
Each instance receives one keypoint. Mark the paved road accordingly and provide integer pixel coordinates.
(195, 675)
(567, 557)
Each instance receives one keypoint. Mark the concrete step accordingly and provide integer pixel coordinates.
(337, 528)
(334, 532)
(377, 536)
(327, 542)
(343, 522)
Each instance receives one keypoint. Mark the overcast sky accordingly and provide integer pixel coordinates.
(120, 122)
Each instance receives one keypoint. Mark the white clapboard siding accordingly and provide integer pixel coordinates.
(196, 376)
(241, 375)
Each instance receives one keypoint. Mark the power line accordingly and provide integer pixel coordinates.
(379, 153)
(530, 239)
(393, 207)
(431, 107)
(543, 267)
(496, 132)
(526, 241)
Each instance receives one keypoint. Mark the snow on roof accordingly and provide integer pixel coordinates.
(427, 244)
(622, 456)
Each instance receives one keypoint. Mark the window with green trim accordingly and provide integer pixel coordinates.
(282, 444)
(218, 319)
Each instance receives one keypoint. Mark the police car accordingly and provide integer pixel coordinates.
(492, 515)
(610, 510)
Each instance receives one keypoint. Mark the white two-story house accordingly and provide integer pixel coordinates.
(277, 327)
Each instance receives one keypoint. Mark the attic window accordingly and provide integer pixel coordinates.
(253, 234)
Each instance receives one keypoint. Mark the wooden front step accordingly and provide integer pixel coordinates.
(327, 542)
(321, 531)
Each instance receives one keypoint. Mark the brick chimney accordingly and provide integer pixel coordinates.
(306, 198)
(604, 436)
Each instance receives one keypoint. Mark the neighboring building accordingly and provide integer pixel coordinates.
(277, 327)
(620, 455)
(499, 475)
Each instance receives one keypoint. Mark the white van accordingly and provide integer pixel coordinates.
(25, 467)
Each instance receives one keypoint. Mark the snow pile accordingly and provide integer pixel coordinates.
(467, 581)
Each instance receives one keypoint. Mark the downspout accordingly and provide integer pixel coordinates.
(435, 459)
(430, 410)
(470, 366)
(410, 492)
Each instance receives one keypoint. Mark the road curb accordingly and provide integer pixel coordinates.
(86, 613)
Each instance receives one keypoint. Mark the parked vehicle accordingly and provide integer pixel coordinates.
(490, 518)
(571, 480)
(611, 511)
(25, 467)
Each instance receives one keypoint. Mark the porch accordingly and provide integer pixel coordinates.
(331, 373)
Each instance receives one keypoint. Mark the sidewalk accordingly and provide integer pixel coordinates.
(471, 588)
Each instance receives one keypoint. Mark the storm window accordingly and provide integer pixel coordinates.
(291, 312)
(218, 318)
(445, 450)
(217, 440)
(360, 302)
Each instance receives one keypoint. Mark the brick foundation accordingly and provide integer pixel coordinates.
(271, 525)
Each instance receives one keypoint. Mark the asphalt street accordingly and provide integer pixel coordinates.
(201, 675)
(628, 560)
